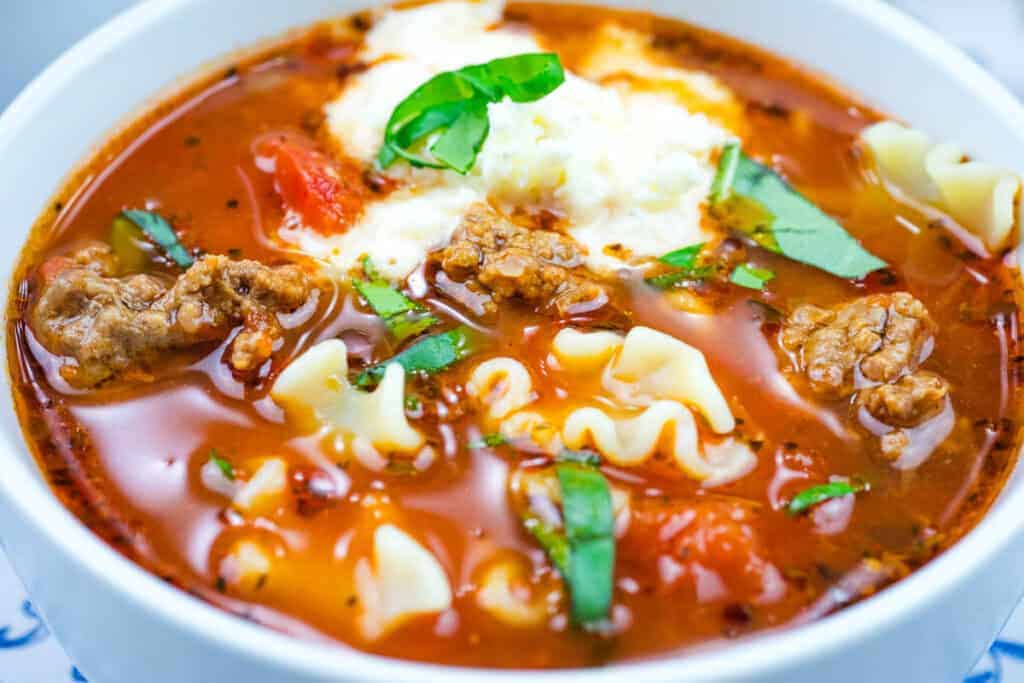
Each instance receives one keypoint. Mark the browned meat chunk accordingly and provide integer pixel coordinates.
(491, 254)
(884, 336)
(908, 401)
(872, 347)
(105, 325)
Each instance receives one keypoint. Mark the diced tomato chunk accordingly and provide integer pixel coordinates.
(711, 546)
(327, 194)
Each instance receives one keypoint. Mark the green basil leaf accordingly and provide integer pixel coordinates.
(685, 258)
(369, 270)
(428, 355)
(751, 198)
(455, 103)
(161, 232)
(489, 441)
(579, 457)
(429, 121)
(553, 541)
(669, 280)
(817, 494)
(590, 530)
(385, 300)
(751, 277)
(686, 262)
(403, 317)
(223, 465)
(458, 146)
(524, 78)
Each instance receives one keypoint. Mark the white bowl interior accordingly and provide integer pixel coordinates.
(889, 60)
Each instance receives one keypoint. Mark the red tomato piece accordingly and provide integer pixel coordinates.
(711, 546)
(327, 194)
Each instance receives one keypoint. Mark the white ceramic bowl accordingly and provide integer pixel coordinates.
(123, 625)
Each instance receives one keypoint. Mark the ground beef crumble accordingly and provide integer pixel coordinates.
(495, 260)
(871, 348)
(104, 325)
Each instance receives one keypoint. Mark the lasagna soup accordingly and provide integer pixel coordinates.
(522, 336)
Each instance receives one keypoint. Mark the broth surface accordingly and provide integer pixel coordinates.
(126, 457)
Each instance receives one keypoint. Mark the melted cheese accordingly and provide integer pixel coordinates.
(607, 157)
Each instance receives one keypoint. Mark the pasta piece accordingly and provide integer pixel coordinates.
(899, 153)
(265, 488)
(980, 197)
(315, 391)
(655, 366)
(214, 479)
(729, 460)
(533, 428)
(502, 386)
(405, 580)
(246, 566)
(584, 351)
(664, 424)
(633, 441)
(505, 593)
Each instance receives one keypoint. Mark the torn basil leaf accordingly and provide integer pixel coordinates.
(686, 262)
(751, 198)
(428, 355)
(580, 457)
(590, 530)
(454, 104)
(553, 541)
(810, 497)
(751, 277)
(223, 465)
(403, 317)
(583, 549)
(160, 231)
(489, 441)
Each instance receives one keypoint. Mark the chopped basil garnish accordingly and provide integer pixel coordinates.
(583, 551)
(590, 530)
(818, 494)
(403, 317)
(751, 277)
(751, 198)
(685, 258)
(223, 465)
(489, 441)
(160, 231)
(553, 541)
(581, 457)
(428, 355)
(455, 103)
(686, 262)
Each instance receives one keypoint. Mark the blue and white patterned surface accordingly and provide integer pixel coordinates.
(992, 31)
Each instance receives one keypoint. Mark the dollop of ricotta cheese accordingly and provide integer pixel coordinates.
(628, 168)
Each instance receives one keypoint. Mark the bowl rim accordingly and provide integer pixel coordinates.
(765, 652)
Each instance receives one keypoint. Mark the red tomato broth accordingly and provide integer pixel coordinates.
(126, 458)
